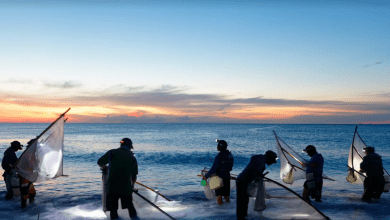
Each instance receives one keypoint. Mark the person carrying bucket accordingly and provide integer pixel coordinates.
(223, 164)
(314, 181)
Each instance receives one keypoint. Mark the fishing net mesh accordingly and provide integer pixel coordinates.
(292, 166)
(282, 203)
(43, 159)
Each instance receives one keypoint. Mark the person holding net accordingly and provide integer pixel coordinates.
(314, 169)
(374, 182)
(252, 172)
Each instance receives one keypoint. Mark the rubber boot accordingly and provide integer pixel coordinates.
(219, 200)
(9, 196)
(114, 214)
(31, 199)
(24, 203)
(227, 200)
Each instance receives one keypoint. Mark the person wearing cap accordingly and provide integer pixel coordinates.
(223, 164)
(252, 172)
(8, 163)
(314, 166)
(123, 172)
(375, 181)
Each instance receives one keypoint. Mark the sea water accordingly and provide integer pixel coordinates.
(170, 156)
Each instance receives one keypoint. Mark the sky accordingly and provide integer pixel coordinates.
(306, 62)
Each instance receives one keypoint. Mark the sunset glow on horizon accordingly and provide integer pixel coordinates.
(195, 62)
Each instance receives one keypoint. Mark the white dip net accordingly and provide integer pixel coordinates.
(42, 160)
(355, 157)
(283, 203)
(292, 166)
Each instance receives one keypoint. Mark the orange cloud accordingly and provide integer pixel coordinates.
(136, 114)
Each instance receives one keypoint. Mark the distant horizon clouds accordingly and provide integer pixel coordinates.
(195, 61)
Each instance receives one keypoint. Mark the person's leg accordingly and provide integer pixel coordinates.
(242, 199)
(218, 193)
(131, 208)
(226, 192)
(8, 185)
(368, 189)
(379, 186)
(319, 191)
(305, 193)
(24, 188)
(112, 205)
(31, 193)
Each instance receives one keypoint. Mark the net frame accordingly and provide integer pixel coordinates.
(32, 162)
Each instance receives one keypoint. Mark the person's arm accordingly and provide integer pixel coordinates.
(104, 160)
(314, 161)
(213, 168)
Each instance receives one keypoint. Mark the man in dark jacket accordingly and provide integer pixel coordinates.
(8, 164)
(222, 166)
(315, 166)
(123, 172)
(252, 172)
(374, 182)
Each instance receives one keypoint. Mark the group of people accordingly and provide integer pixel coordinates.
(254, 172)
(25, 187)
(123, 171)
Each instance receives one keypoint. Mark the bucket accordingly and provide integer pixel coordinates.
(15, 183)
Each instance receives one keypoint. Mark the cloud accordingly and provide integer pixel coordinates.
(168, 104)
(18, 81)
(369, 65)
(63, 85)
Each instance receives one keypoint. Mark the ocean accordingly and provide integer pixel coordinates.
(170, 156)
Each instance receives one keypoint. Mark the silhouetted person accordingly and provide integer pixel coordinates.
(374, 182)
(8, 163)
(123, 172)
(223, 164)
(252, 172)
(315, 166)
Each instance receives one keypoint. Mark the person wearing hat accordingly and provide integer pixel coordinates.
(315, 166)
(8, 163)
(223, 164)
(252, 172)
(375, 181)
(123, 172)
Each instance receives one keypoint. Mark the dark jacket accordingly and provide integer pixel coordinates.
(123, 166)
(9, 158)
(318, 169)
(222, 165)
(253, 170)
(372, 165)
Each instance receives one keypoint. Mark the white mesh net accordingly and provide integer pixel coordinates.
(42, 160)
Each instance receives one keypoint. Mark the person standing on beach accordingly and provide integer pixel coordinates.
(223, 164)
(123, 172)
(8, 163)
(375, 181)
(252, 172)
(315, 166)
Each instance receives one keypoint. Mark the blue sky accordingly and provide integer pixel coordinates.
(295, 51)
